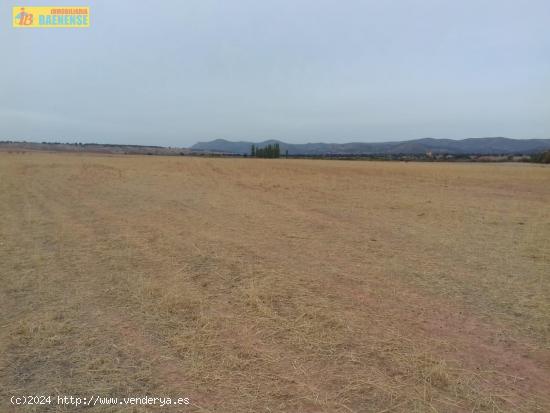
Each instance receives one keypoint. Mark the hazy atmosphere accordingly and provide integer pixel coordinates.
(173, 73)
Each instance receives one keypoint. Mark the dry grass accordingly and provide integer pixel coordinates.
(276, 285)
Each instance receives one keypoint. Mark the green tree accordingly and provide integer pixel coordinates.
(543, 157)
(268, 151)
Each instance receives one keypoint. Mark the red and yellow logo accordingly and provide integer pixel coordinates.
(61, 16)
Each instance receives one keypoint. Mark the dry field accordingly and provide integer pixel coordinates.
(275, 285)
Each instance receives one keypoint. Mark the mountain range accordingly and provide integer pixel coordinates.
(479, 146)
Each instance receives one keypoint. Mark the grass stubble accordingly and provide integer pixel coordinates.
(275, 285)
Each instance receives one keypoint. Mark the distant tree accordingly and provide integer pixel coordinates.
(253, 150)
(268, 151)
(543, 157)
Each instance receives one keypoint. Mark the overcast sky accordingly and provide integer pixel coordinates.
(176, 72)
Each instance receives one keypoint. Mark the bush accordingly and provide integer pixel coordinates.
(543, 157)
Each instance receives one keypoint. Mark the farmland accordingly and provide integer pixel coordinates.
(252, 285)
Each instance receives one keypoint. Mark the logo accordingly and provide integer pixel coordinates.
(23, 18)
(47, 17)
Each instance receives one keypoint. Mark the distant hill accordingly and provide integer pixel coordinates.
(91, 147)
(480, 146)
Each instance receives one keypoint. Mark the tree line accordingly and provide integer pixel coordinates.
(269, 151)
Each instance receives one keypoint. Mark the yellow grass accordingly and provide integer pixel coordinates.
(275, 285)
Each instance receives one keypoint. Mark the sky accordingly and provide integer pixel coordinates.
(176, 72)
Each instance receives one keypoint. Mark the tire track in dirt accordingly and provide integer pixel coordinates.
(122, 329)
